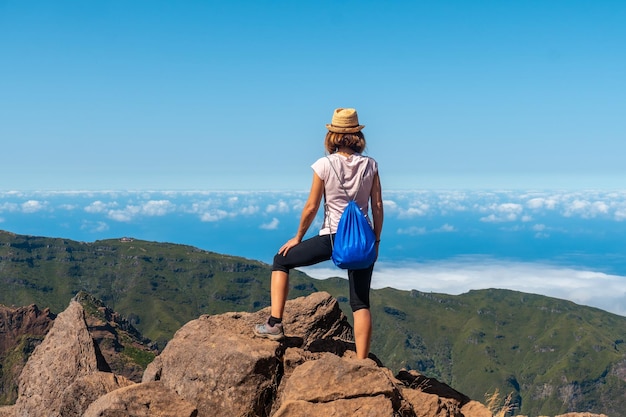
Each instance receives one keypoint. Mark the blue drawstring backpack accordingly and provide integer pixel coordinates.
(354, 246)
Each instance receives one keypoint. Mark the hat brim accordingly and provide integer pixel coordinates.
(337, 129)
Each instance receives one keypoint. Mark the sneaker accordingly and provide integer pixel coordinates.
(269, 332)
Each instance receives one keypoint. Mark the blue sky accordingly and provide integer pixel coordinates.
(208, 95)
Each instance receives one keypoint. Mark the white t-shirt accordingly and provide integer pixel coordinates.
(353, 170)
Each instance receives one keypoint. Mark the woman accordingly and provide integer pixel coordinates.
(359, 176)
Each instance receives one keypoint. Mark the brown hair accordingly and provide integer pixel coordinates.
(354, 141)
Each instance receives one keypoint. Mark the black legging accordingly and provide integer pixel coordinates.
(318, 249)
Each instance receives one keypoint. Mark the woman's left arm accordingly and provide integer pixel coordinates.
(309, 212)
(378, 215)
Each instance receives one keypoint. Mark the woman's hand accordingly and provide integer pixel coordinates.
(290, 244)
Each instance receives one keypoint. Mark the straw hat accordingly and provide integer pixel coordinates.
(345, 121)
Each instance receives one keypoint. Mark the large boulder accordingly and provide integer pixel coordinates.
(432, 398)
(213, 362)
(66, 354)
(151, 399)
(334, 386)
(313, 319)
(229, 372)
(85, 390)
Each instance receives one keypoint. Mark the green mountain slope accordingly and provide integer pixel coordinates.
(554, 355)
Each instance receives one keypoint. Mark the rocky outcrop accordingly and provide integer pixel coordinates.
(214, 366)
(7, 411)
(125, 352)
(581, 415)
(228, 371)
(331, 385)
(21, 330)
(17, 322)
(151, 399)
(216, 363)
(124, 349)
(66, 357)
(85, 390)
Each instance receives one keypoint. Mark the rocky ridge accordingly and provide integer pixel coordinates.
(21, 330)
(214, 366)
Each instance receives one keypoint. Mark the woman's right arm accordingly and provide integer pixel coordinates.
(308, 214)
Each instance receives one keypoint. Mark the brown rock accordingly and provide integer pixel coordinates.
(114, 337)
(336, 386)
(228, 371)
(330, 378)
(475, 409)
(414, 379)
(432, 405)
(7, 411)
(214, 366)
(17, 322)
(581, 415)
(150, 399)
(21, 330)
(85, 390)
(432, 398)
(363, 407)
(66, 354)
(313, 320)
(212, 362)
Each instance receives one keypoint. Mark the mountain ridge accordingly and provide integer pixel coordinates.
(554, 355)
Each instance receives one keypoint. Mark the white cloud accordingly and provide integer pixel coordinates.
(99, 206)
(586, 209)
(417, 231)
(94, 227)
(541, 203)
(540, 231)
(150, 208)
(200, 207)
(620, 214)
(412, 231)
(272, 225)
(446, 228)
(280, 207)
(505, 212)
(68, 207)
(8, 207)
(157, 207)
(596, 289)
(249, 210)
(124, 215)
(390, 205)
(215, 215)
(33, 206)
(492, 218)
(419, 210)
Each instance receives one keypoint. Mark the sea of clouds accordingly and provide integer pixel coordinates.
(564, 244)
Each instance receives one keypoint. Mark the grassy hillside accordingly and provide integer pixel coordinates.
(555, 356)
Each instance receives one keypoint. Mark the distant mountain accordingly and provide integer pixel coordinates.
(21, 330)
(553, 355)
